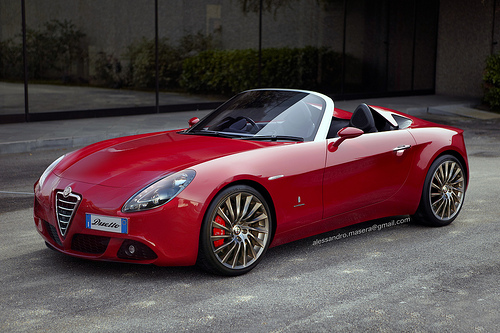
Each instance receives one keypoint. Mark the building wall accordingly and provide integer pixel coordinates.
(465, 32)
(111, 25)
(464, 43)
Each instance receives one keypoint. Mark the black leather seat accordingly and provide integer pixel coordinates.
(362, 118)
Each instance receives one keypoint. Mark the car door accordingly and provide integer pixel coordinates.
(364, 170)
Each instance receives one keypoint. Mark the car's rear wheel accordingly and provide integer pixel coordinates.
(443, 192)
(236, 231)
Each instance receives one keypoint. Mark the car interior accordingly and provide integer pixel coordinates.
(368, 120)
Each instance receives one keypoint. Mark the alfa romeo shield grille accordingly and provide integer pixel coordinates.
(66, 205)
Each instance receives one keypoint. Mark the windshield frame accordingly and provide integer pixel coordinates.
(290, 98)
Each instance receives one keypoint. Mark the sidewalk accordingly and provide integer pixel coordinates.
(69, 134)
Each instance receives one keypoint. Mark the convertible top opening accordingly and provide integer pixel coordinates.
(370, 119)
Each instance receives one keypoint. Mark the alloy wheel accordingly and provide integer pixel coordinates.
(446, 192)
(239, 230)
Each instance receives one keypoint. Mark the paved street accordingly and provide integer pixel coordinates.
(400, 278)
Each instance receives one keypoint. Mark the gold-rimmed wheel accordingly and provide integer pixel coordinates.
(236, 231)
(447, 190)
(443, 193)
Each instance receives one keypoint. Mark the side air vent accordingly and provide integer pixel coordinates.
(51, 230)
(66, 205)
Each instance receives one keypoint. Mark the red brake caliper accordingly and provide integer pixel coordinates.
(219, 232)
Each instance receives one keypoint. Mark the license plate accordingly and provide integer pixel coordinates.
(106, 223)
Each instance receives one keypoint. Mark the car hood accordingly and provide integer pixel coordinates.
(138, 160)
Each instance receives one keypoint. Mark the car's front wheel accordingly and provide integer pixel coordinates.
(236, 231)
(443, 192)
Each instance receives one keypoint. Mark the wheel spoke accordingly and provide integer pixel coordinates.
(252, 251)
(226, 257)
(244, 254)
(230, 208)
(220, 226)
(440, 177)
(448, 207)
(259, 230)
(222, 247)
(257, 219)
(238, 203)
(257, 240)
(219, 237)
(224, 216)
(435, 186)
(458, 181)
(449, 171)
(455, 175)
(236, 255)
(254, 209)
(246, 206)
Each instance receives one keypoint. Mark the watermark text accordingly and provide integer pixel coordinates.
(375, 227)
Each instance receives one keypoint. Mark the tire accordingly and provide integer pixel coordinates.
(443, 193)
(236, 232)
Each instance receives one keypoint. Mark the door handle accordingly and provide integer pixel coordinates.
(399, 150)
(402, 147)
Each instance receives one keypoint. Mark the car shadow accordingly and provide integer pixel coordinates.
(50, 262)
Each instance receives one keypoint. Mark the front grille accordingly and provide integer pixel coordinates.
(66, 205)
(89, 243)
(51, 230)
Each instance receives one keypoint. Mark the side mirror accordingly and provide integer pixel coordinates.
(345, 133)
(349, 133)
(193, 121)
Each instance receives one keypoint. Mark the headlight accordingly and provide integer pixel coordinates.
(49, 170)
(160, 192)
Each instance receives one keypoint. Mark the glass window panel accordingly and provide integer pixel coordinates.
(11, 64)
(425, 44)
(81, 53)
(366, 46)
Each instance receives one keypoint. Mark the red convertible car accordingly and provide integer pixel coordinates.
(268, 167)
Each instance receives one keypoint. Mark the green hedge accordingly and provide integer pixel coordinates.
(491, 80)
(231, 71)
(141, 69)
(58, 51)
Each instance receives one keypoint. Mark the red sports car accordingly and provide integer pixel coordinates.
(269, 166)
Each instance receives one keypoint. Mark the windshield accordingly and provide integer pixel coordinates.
(258, 114)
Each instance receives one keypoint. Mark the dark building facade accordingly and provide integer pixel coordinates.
(385, 46)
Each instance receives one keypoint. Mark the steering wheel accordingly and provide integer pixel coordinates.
(250, 120)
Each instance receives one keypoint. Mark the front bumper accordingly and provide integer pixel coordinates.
(166, 236)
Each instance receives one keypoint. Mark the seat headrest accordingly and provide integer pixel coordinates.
(362, 118)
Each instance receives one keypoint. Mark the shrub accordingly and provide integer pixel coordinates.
(231, 71)
(491, 79)
(11, 60)
(141, 59)
(51, 52)
(108, 71)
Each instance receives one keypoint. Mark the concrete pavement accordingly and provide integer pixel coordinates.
(33, 136)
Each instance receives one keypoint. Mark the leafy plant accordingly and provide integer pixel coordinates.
(11, 61)
(230, 71)
(141, 59)
(108, 71)
(491, 79)
(267, 5)
(51, 52)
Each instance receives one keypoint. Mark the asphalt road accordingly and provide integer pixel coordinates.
(404, 277)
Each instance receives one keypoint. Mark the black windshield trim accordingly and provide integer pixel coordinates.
(214, 133)
(275, 138)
